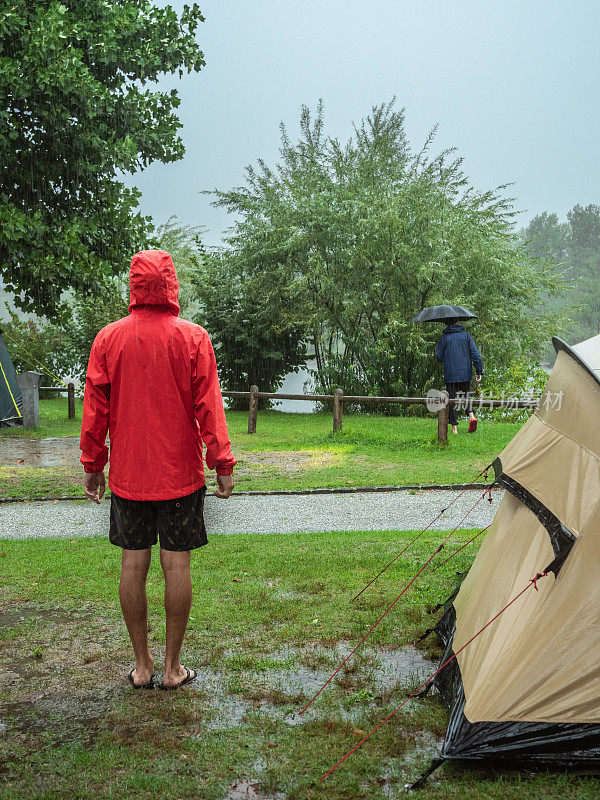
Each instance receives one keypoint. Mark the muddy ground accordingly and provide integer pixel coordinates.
(63, 682)
(63, 453)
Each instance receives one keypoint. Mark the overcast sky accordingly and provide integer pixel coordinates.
(513, 84)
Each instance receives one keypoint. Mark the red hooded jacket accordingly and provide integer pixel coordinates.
(152, 383)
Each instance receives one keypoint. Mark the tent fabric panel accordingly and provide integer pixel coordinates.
(540, 661)
(552, 671)
(561, 539)
(556, 744)
(11, 401)
(561, 473)
(556, 454)
(516, 547)
(579, 402)
(527, 689)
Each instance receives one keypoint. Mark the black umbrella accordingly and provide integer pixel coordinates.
(442, 313)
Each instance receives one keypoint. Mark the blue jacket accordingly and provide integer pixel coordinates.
(458, 352)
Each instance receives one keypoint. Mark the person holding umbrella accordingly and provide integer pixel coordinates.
(458, 353)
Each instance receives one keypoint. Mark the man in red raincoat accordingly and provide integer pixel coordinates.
(152, 383)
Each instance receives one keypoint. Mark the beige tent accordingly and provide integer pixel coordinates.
(528, 687)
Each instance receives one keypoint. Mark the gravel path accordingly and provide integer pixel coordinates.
(396, 510)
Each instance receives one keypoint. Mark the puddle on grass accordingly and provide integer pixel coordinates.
(250, 790)
(17, 616)
(66, 716)
(406, 667)
(299, 681)
(226, 713)
(407, 769)
(379, 669)
(280, 693)
(275, 686)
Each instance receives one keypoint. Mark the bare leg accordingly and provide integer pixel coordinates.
(178, 601)
(134, 605)
(455, 429)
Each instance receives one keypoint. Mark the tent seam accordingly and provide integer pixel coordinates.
(570, 438)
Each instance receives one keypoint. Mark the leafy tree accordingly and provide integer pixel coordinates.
(546, 237)
(184, 245)
(62, 348)
(524, 379)
(252, 342)
(88, 315)
(38, 346)
(574, 248)
(363, 234)
(583, 257)
(75, 113)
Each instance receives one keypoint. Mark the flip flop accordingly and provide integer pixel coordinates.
(188, 679)
(472, 426)
(149, 685)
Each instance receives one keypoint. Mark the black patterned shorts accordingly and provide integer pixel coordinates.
(137, 524)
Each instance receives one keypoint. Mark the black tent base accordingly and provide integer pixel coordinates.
(502, 765)
(553, 745)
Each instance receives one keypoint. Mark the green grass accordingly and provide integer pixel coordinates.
(268, 614)
(28, 483)
(54, 420)
(371, 450)
(300, 451)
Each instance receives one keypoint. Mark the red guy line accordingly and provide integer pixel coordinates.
(392, 604)
(532, 582)
(418, 536)
(437, 566)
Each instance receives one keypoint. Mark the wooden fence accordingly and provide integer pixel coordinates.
(339, 398)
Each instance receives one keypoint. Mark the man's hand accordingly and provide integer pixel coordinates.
(94, 485)
(225, 486)
(477, 378)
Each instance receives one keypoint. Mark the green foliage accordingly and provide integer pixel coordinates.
(362, 235)
(182, 243)
(37, 346)
(574, 248)
(88, 315)
(547, 238)
(247, 322)
(523, 378)
(75, 113)
(63, 347)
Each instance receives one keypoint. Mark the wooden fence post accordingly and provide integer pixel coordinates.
(71, 400)
(442, 416)
(338, 410)
(253, 411)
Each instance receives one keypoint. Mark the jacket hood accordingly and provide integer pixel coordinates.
(153, 281)
(456, 328)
